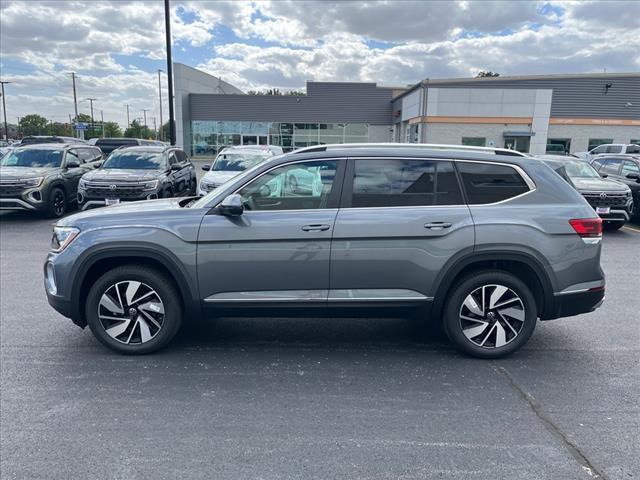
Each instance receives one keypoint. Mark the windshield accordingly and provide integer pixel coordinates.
(579, 169)
(134, 161)
(44, 158)
(236, 162)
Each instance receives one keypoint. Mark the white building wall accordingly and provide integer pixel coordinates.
(380, 133)
(452, 133)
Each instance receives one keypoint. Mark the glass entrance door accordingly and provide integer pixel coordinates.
(521, 144)
(255, 140)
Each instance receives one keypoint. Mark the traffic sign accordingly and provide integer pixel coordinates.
(80, 126)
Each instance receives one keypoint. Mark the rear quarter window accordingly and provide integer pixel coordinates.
(487, 183)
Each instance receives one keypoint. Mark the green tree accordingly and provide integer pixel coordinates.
(33, 124)
(61, 129)
(112, 130)
(488, 73)
(135, 130)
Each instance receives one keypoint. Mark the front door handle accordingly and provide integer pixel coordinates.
(437, 225)
(315, 228)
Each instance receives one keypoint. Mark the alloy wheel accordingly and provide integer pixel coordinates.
(131, 312)
(492, 316)
(58, 203)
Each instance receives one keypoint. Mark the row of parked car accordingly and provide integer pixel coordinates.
(55, 176)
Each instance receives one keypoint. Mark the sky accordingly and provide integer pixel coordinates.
(117, 47)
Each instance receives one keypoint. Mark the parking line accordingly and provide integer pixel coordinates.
(631, 228)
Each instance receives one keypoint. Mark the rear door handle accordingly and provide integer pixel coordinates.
(315, 228)
(437, 225)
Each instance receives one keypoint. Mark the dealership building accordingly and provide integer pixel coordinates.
(535, 114)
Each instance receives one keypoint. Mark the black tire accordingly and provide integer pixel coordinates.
(149, 277)
(168, 193)
(57, 205)
(611, 226)
(193, 189)
(452, 322)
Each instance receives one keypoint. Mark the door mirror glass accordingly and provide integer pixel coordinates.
(206, 167)
(231, 206)
(175, 166)
(634, 176)
(73, 163)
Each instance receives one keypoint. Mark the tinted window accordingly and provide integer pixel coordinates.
(486, 183)
(108, 145)
(611, 166)
(32, 158)
(172, 158)
(633, 149)
(613, 149)
(305, 185)
(597, 163)
(182, 157)
(134, 161)
(629, 167)
(403, 182)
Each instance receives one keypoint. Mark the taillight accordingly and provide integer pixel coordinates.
(587, 227)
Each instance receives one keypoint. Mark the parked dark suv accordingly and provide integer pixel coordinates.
(625, 169)
(484, 240)
(610, 199)
(138, 173)
(44, 177)
(108, 145)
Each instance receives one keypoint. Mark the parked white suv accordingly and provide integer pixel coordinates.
(616, 148)
(230, 162)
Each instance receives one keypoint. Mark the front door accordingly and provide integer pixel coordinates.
(399, 223)
(278, 250)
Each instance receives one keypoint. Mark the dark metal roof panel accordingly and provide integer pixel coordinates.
(325, 102)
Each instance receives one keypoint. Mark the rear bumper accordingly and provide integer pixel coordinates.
(576, 303)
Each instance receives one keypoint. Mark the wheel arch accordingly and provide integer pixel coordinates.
(98, 261)
(523, 265)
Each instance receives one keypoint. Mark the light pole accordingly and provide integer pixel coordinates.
(167, 22)
(128, 122)
(144, 111)
(160, 100)
(75, 101)
(91, 100)
(4, 109)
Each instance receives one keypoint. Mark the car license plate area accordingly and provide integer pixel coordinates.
(111, 201)
(603, 210)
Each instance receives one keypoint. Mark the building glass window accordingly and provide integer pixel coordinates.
(474, 141)
(559, 146)
(594, 142)
(635, 141)
(209, 137)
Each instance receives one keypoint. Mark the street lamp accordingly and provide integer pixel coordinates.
(160, 101)
(145, 110)
(167, 22)
(91, 100)
(4, 109)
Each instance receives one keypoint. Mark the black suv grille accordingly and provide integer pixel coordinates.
(11, 188)
(607, 199)
(115, 190)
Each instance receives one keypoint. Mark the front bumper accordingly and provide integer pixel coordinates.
(85, 202)
(30, 199)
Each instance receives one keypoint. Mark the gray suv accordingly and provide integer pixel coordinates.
(485, 241)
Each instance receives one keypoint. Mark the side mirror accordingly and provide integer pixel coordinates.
(604, 175)
(231, 206)
(633, 176)
(175, 167)
(206, 167)
(73, 163)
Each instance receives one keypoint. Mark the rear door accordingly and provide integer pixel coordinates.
(400, 221)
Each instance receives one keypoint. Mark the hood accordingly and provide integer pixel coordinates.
(127, 210)
(598, 185)
(219, 177)
(15, 173)
(118, 175)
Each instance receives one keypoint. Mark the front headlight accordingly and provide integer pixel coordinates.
(33, 182)
(151, 185)
(62, 237)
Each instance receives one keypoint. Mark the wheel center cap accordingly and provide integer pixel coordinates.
(133, 312)
(491, 316)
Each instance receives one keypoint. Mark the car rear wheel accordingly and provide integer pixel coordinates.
(134, 309)
(490, 314)
(57, 203)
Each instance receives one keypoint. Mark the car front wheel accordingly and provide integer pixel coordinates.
(490, 314)
(134, 309)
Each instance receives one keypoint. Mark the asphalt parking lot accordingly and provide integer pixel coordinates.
(315, 398)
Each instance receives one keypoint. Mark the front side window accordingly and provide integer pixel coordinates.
(135, 161)
(44, 158)
(613, 149)
(595, 142)
(489, 183)
(611, 166)
(299, 186)
(404, 182)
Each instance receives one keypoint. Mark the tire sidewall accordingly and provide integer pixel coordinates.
(463, 288)
(51, 210)
(158, 282)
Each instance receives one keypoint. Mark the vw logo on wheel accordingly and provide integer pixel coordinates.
(603, 195)
(112, 187)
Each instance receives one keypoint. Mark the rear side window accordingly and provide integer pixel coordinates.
(629, 167)
(404, 182)
(487, 183)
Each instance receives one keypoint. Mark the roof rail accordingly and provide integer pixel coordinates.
(431, 146)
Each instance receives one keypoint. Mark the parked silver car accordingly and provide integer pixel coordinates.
(485, 241)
